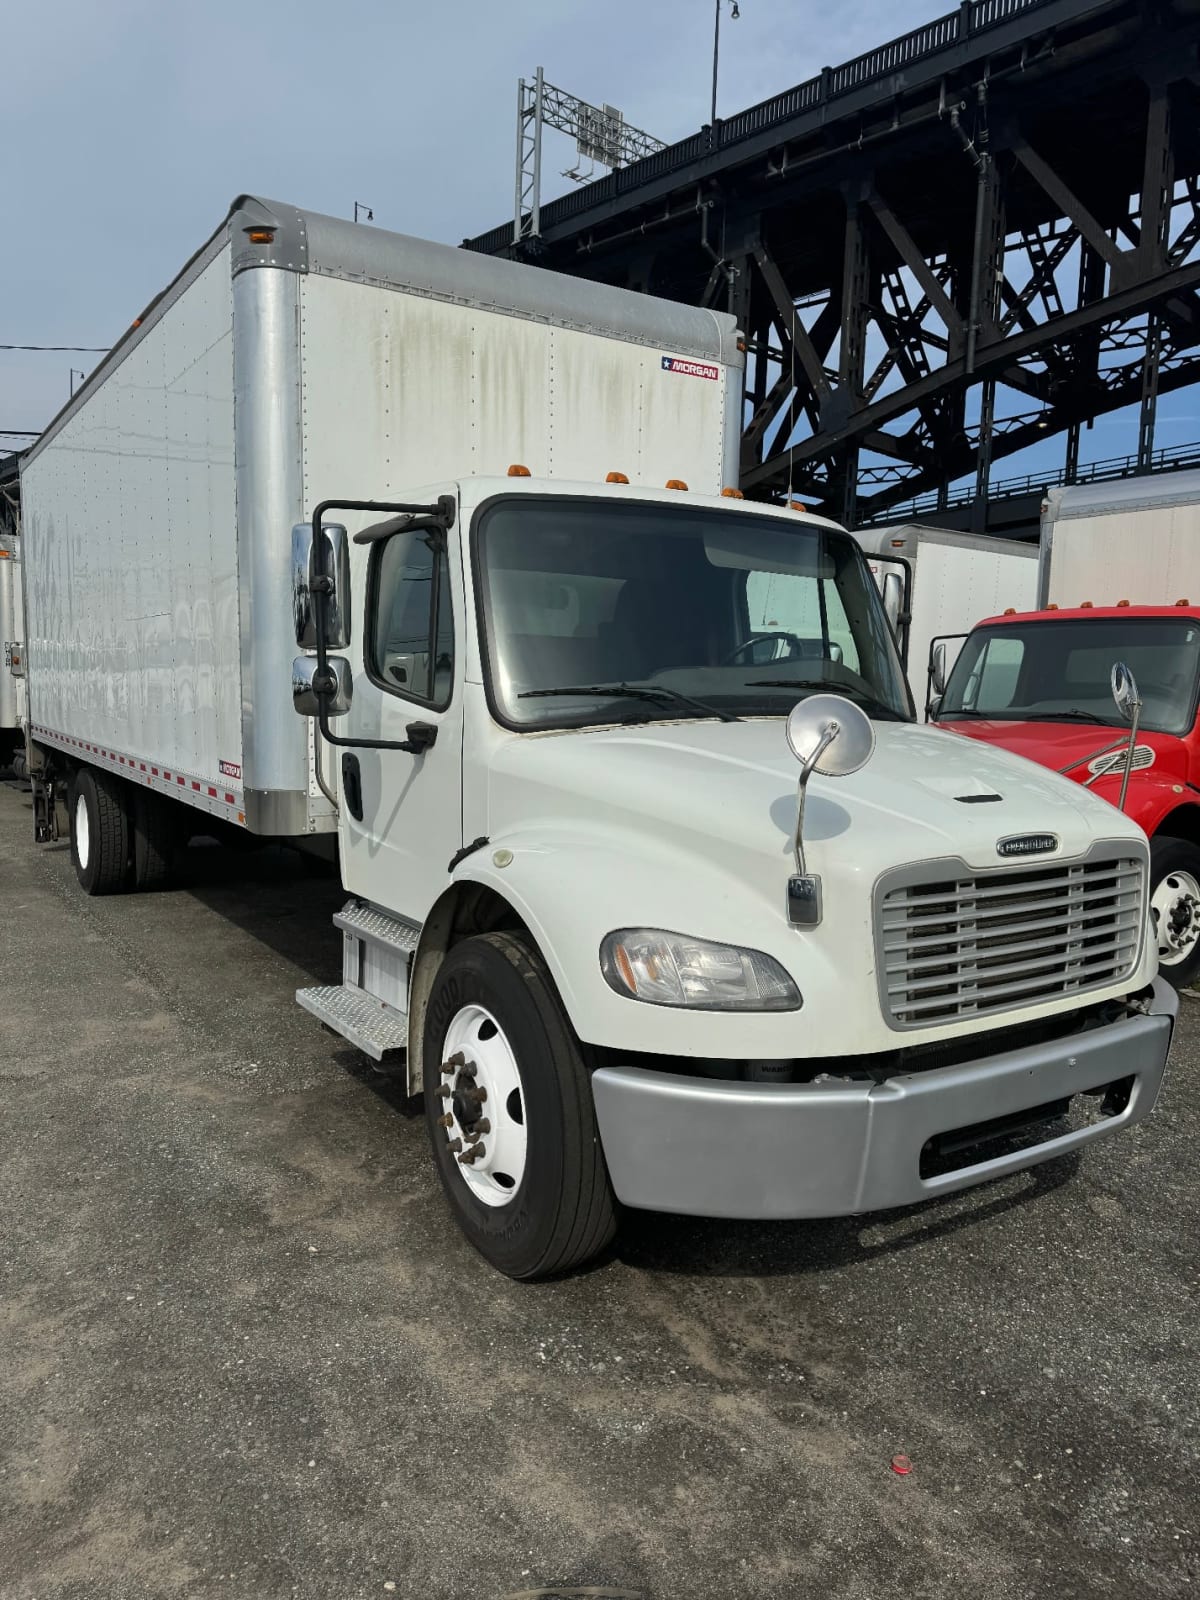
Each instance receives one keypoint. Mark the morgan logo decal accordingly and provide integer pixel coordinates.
(1027, 844)
(230, 769)
(690, 369)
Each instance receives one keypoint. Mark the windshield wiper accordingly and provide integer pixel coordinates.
(638, 691)
(878, 708)
(1073, 715)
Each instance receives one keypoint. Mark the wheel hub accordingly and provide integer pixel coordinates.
(1175, 906)
(83, 838)
(485, 1119)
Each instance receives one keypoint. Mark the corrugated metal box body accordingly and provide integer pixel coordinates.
(333, 362)
(1135, 540)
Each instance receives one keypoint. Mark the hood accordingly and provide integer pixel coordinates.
(921, 796)
(1058, 744)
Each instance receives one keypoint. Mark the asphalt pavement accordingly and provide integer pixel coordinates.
(245, 1352)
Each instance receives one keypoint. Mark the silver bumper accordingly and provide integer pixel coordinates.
(716, 1149)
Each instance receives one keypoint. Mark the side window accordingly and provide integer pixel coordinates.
(994, 682)
(411, 648)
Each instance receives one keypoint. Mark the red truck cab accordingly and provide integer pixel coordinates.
(1039, 683)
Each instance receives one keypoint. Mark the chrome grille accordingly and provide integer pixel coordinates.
(969, 944)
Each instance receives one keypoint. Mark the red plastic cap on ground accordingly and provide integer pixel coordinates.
(901, 1465)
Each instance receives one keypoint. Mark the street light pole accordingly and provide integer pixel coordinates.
(734, 14)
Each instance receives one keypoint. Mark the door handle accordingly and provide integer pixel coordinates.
(421, 737)
(352, 786)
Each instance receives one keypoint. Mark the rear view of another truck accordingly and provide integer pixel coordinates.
(12, 623)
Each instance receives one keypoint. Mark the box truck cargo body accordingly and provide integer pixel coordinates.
(655, 892)
(1135, 540)
(159, 504)
(942, 583)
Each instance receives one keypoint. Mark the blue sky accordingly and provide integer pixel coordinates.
(129, 125)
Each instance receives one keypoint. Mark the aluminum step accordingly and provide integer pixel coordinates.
(375, 1028)
(376, 927)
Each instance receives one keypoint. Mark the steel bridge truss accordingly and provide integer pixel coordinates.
(859, 399)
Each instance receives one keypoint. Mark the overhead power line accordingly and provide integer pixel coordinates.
(89, 349)
(20, 433)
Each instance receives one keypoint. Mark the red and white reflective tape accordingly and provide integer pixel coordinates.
(215, 798)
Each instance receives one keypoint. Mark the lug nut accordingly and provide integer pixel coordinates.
(453, 1145)
(444, 1090)
(480, 1094)
(467, 1068)
(481, 1127)
(469, 1158)
(447, 1121)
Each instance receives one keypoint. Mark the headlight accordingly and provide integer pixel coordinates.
(668, 969)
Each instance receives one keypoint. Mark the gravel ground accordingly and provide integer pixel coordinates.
(244, 1352)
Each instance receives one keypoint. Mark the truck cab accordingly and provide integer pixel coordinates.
(658, 893)
(1038, 683)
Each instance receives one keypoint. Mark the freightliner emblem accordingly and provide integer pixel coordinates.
(1027, 844)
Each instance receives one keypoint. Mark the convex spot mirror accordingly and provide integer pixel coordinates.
(339, 683)
(830, 735)
(334, 564)
(1125, 691)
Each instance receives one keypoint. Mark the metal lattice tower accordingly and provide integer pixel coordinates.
(601, 134)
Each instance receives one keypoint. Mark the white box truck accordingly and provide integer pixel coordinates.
(937, 584)
(655, 891)
(1136, 541)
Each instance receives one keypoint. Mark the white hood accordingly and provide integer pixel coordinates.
(688, 826)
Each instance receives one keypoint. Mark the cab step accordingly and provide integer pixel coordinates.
(372, 1025)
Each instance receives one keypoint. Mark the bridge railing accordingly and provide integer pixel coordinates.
(971, 18)
(1171, 458)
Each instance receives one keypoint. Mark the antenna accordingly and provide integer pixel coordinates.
(601, 134)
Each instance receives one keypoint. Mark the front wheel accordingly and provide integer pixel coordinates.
(1175, 908)
(508, 1105)
(99, 831)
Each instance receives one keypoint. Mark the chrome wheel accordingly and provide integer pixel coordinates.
(83, 837)
(484, 1100)
(1175, 907)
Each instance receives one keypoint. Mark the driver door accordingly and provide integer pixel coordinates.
(401, 813)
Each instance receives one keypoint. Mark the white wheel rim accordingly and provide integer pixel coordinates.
(1175, 907)
(476, 1056)
(83, 836)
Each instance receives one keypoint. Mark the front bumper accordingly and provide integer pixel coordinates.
(716, 1149)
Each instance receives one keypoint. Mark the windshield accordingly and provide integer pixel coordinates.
(1060, 671)
(602, 612)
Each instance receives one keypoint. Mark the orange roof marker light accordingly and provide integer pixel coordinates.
(675, 483)
(732, 494)
(518, 471)
(261, 235)
(1183, 602)
(1052, 605)
(1086, 605)
(1122, 602)
(1010, 611)
(616, 477)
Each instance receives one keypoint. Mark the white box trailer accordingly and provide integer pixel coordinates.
(942, 583)
(273, 371)
(12, 633)
(1137, 539)
(565, 729)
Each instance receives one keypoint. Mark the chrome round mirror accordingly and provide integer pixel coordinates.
(1125, 691)
(830, 735)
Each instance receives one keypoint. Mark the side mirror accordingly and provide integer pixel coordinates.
(333, 566)
(335, 689)
(893, 598)
(937, 666)
(1125, 691)
(830, 735)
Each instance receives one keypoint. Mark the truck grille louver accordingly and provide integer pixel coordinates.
(970, 945)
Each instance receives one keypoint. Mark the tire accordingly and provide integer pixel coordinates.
(152, 826)
(494, 1003)
(1175, 908)
(99, 832)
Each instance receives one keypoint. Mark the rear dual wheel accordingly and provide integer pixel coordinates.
(508, 1104)
(121, 836)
